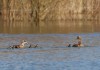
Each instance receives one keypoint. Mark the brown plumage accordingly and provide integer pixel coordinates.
(20, 45)
(79, 44)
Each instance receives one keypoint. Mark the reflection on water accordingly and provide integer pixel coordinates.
(50, 27)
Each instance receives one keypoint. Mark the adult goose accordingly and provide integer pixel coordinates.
(22, 45)
(79, 44)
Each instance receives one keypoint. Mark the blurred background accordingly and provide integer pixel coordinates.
(49, 16)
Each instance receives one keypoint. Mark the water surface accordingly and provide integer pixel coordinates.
(52, 53)
(45, 27)
(52, 38)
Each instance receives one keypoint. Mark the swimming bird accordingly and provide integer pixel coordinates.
(22, 45)
(35, 46)
(79, 44)
(69, 45)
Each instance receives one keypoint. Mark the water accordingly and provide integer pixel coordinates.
(52, 38)
(58, 59)
(51, 54)
(48, 27)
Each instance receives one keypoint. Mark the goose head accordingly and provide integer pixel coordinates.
(23, 43)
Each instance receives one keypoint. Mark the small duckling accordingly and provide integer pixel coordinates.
(34, 46)
(69, 45)
(30, 46)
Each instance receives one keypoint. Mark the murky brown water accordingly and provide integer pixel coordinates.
(50, 27)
